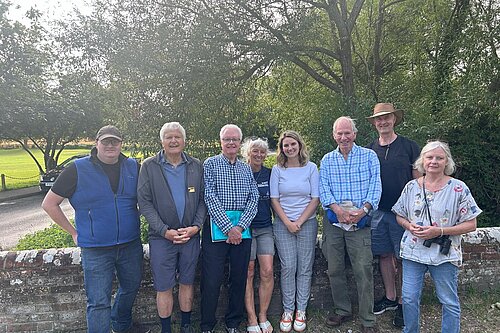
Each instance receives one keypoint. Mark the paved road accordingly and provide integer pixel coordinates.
(19, 217)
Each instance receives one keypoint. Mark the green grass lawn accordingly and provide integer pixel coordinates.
(21, 171)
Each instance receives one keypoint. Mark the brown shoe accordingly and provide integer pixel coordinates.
(337, 320)
(365, 329)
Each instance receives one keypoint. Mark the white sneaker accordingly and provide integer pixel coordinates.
(299, 324)
(286, 322)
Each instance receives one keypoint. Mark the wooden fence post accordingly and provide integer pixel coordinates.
(3, 182)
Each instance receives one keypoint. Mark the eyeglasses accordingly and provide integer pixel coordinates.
(110, 142)
(228, 140)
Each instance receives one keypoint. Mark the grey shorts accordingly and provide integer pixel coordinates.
(168, 260)
(262, 242)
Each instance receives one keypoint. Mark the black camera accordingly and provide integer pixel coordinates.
(444, 243)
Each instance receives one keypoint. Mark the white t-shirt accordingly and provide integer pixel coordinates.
(295, 187)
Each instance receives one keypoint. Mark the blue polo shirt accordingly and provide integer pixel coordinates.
(176, 179)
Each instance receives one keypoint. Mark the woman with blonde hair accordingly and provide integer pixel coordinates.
(435, 210)
(294, 198)
(255, 150)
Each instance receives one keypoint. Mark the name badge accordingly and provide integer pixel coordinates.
(191, 189)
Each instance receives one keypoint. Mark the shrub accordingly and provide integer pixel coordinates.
(55, 237)
(51, 237)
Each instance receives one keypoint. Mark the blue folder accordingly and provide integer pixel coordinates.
(234, 217)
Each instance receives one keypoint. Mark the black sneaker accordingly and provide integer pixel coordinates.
(398, 320)
(383, 305)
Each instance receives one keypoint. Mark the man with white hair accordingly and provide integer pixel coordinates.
(231, 196)
(170, 193)
(349, 189)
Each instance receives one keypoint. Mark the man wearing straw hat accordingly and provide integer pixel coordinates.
(396, 155)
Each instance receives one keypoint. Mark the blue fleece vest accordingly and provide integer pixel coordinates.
(102, 217)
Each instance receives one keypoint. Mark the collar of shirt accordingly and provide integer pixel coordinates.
(163, 160)
(353, 150)
(225, 159)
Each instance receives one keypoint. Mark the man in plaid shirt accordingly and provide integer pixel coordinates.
(229, 186)
(350, 187)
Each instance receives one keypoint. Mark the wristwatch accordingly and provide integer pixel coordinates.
(366, 210)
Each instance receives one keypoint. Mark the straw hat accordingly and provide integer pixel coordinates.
(381, 109)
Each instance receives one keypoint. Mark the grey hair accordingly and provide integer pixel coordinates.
(228, 126)
(349, 119)
(251, 143)
(172, 126)
(450, 163)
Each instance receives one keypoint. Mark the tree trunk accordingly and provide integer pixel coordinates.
(446, 54)
(342, 20)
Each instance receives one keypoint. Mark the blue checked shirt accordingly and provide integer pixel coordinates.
(356, 180)
(229, 187)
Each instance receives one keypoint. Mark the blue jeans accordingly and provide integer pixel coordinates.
(445, 277)
(100, 265)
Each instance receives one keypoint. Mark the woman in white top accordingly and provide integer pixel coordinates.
(294, 198)
(435, 210)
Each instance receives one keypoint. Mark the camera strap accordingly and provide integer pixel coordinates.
(426, 203)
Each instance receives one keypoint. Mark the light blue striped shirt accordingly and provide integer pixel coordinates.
(229, 187)
(356, 179)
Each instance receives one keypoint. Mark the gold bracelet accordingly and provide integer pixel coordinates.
(441, 232)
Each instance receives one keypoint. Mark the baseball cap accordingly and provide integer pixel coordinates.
(109, 131)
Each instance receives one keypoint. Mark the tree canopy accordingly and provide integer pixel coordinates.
(44, 103)
(266, 65)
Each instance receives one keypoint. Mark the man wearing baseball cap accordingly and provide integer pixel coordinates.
(102, 189)
(396, 155)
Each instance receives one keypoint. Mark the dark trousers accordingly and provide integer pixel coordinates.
(213, 259)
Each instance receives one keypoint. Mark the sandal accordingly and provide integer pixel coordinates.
(266, 327)
(253, 329)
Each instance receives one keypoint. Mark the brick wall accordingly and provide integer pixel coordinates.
(42, 291)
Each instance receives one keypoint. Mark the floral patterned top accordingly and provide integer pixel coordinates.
(451, 205)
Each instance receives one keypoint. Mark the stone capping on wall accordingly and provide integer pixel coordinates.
(42, 291)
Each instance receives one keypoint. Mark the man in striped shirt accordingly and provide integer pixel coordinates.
(229, 187)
